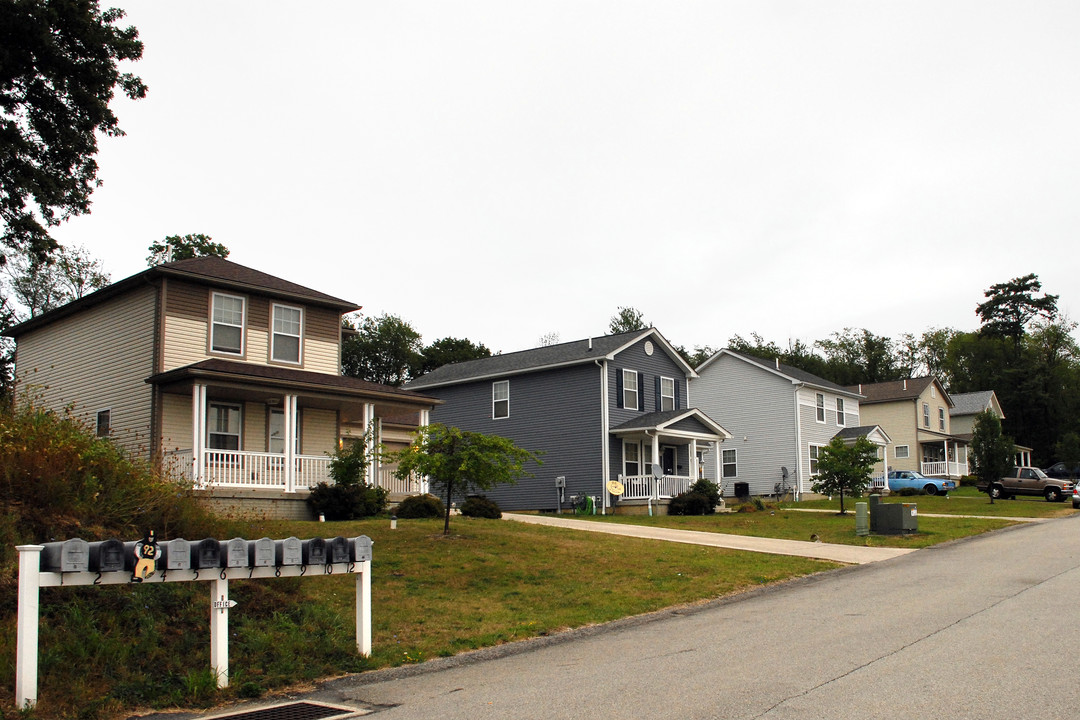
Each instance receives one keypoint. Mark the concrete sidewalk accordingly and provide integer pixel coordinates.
(851, 554)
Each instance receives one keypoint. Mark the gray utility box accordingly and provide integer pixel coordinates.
(893, 518)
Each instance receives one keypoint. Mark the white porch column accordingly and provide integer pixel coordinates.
(198, 433)
(376, 465)
(948, 469)
(370, 431)
(657, 463)
(693, 461)
(289, 412)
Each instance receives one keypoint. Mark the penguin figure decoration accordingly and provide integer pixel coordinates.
(146, 557)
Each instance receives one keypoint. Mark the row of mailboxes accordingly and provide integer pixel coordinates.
(77, 555)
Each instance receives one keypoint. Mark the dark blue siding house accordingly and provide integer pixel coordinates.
(602, 409)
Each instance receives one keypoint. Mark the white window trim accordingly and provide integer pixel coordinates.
(724, 463)
(269, 426)
(637, 461)
(905, 456)
(941, 418)
(626, 389)
(97, 422)
(495, 399)
(840, 420)
(274, 334)
(243, 323)
(812, 458)
(239, 432)
(819, 406)
(664, 396)
(926, 415)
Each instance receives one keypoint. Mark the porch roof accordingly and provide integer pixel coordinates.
(874, 433)
(281, 377)
(925, 436)
(665, 421)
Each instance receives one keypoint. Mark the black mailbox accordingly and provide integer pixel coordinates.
(337, 551)
(69, 556)
(261, 552)
(175, 554)
(107, 556)
(361, 548)
(206, 554)
(234, 553)
(313, 551)
(288, 551)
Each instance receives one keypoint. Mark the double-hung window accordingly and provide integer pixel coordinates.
(941, 418)
(820, 408)
(104, 423)
(840, 412)
(287, 324)
(926, 415)
(730, 464)
(631, 459)
(814, 450)
(500, 399)
(227, 324)
(630, 389)
(901, 452)
(223, 426)
(667, 393)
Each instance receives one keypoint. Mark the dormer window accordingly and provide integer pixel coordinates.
(227, 324)
(288, 322)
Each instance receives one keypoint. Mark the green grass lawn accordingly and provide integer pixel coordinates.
(963, 501)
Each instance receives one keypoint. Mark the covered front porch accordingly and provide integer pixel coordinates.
(942, 456)
(661, 454)
(228, 425)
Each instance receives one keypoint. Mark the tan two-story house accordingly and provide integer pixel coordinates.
(228, 375)
(915, 414)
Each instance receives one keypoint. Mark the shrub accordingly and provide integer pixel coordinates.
(347, 502)
(420, 506)
(709, 489)
(481, 507)
(907, 492)
(691, 503)
(968, 481)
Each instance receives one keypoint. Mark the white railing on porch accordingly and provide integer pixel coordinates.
(258, 470)
(642, 487)
(944, 469)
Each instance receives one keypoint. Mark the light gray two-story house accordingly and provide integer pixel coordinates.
(780, 417)
(600, 409)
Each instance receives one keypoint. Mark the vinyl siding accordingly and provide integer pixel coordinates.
(900, 420)
(94, 360)
(175, 422)
(556, 411)
(187, 323)
(318, 431)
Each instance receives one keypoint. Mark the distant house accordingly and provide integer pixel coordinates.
(780, 417)
(915, 412)
(967, 405)
(225, 373)
(600, 409)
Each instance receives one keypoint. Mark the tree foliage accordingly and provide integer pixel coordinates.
(42, 284)
(184, 247)
(1012, 306)
(446, 351)
(383, 350)
(627, 319)
(844, 468)
(459, 463)
(58, 74)
(991, 452)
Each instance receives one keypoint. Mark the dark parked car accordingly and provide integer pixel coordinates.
(1061, 471)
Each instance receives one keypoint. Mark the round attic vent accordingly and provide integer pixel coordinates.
(648, 347)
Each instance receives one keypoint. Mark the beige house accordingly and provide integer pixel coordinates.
(915, 414)
(228, 375)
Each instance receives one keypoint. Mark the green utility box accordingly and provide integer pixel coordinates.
(893, 518)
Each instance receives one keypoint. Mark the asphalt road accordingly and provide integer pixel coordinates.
(980, 628)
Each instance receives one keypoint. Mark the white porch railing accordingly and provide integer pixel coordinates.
(642, 487)
(944, 469)
(408, 486)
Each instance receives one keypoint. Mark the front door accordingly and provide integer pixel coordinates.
(667, 459)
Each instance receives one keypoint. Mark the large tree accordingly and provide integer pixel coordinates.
(183, 247)
(627, 319)
(844, 468)
(991, 452)
(42, 284)
(383, 350)
(449, 350)
(58, 74)
(1012, 306)
(459, 463)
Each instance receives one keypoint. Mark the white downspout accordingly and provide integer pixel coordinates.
(798, 448)
(605, 472)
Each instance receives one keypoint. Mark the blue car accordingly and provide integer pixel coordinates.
(900, 479)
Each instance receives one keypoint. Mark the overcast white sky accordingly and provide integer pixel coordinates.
(503, 170)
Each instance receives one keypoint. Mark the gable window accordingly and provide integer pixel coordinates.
(631, 459)
(730, 463)
(941, 418)
(104, 423)
(286, 339)
(667, 393)
(630, 389)
(820, 408)
(814, 451)
(901, 452)
(840, 411)
(500, 399)
(223, 426)
(926, 415)
(227, 324)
